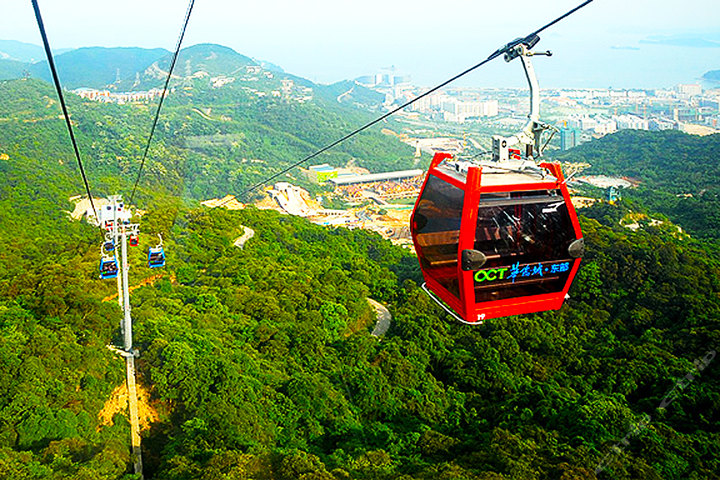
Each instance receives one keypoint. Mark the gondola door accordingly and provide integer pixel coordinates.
(435, 228)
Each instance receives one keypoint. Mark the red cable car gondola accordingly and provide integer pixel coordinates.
(500, 238)
(493, 243)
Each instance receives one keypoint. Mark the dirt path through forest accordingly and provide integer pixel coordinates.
(144, 283)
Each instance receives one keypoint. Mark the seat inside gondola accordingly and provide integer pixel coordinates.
(525, 237)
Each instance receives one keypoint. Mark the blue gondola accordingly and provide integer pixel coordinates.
(109, 245)
(156, 255)
(108, 267)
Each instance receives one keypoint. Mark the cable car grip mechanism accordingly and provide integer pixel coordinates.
(530, 137)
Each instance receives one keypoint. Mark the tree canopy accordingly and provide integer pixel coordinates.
(260, 362)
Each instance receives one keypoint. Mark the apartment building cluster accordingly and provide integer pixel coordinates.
(686, 107)
(457, 108)
(602, 124)
(106, 96)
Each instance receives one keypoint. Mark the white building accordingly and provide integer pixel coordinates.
(455, 110)
(605, 126)
(631, 122)
(660, 124)
(596, 124)
(689, 90)
(429, 103)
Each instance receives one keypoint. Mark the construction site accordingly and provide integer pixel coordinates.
(378, 202)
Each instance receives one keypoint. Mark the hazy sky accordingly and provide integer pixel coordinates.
(619, 43)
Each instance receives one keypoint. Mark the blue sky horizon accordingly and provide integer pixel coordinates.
(609, 43)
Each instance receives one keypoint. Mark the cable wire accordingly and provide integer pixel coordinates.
(365, 127)
(58, 87)
(162, 97)
(491, 57)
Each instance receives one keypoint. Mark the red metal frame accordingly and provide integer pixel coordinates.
(465, 306)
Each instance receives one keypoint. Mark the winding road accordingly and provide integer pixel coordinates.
(247, 235)
(383, 318)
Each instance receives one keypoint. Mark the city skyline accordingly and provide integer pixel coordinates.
(606, 44)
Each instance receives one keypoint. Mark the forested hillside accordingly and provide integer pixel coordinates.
(678, 173)
(21, 51)
(259, 361)
(11, 69)
(209, 142)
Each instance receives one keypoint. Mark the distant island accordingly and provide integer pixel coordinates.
(712, 76)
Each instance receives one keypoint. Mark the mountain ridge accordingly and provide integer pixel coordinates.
(98, 67)
(21, 51)
(712, 76)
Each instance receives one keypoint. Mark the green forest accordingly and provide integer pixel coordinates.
(678, 174)
(260, 361)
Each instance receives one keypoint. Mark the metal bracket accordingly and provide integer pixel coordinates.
(529, 139)
(445, 307)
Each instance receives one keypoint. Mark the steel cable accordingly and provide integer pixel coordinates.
(162, 97)
(66, 115)
(491, 57)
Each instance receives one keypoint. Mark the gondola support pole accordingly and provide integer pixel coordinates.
(127, 320)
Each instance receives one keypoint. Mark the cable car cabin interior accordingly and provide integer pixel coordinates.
(156, 257)
(493, 242)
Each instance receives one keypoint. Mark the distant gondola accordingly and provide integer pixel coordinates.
(108, 263)
(108, 267)
(156, 255)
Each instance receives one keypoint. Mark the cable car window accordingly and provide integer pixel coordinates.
(436, 223)
(525, 237)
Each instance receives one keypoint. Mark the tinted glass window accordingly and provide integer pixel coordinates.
(436, 223)
(525, 237)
